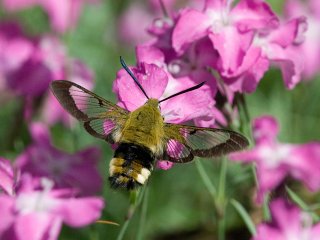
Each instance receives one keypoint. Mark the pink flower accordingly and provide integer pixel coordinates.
(158, 84)
(15, 47)
(274, 160)
(288, 223)
(77, 171)
(231, 30)
(63, 14)
(24, 72)
(127, 26)
(247, 38)
(27, 66)
(310, 48)
(278, 47)
(37, 211)
(25, 63)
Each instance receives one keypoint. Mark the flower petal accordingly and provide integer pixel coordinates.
(7, 212)
(25, 225)
(6, 176)
(164, 165)
(191, 26)
(152, 78)
(250, 15)
(80, 212)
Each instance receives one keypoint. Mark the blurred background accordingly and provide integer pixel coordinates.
(178, 205)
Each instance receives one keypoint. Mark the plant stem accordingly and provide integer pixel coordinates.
(135, 200)
(143, 215)
(221, 228)
(206, 180)
(222, 180)
(210, 187)
(221, 198)
(123, 229)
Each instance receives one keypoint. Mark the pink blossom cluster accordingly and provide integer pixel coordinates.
(46, 188)
(28, 65)
(229, 45)
(288, 222)
(310, 48)
(275, 161)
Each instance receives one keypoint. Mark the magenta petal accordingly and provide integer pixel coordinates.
(7, 212)
(149, 54)
(187, 106)
(40, 133)
(82, 211)
(315, 6)
(265, 128)
(63, 15)
(164, 165)
(232, 52)
(6, 176)
(152, 78)
(286, 216)
(215, 4)
(245, 156)
(250, 60)
(191, 26)
(31, 79)
(25, 225)
(291, 32)
(315, 232)
(248, 15)
(291, 63)
(14, 52)
(305, 162)
(269, 179)
(14, 5)
(265, 232)
(128, 92)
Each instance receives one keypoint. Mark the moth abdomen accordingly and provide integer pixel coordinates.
(131, 166)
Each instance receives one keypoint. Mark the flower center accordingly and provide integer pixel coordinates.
(274, 155)
(36, 201)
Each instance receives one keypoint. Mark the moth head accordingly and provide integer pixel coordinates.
(153, 102)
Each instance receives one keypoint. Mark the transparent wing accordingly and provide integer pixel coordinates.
(101, 118)
(184, 142)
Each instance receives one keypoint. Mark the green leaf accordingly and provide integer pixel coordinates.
(245, 216)
(304, 206)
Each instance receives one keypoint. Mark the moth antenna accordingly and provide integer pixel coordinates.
(163, 8)
(183, 91)
(124, 65)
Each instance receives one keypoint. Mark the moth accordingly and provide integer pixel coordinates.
(142, 136)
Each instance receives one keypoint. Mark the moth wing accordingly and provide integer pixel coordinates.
(101, 118)
(185, 142)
